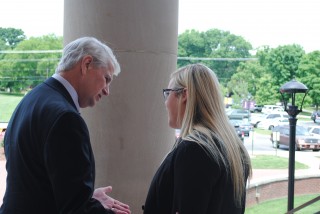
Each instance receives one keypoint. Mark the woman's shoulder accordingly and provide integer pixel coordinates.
(189, 146)
(187, 143)
(193, 152)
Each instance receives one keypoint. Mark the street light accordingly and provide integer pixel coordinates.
(292, 88)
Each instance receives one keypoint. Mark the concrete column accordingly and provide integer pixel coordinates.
(129, 129)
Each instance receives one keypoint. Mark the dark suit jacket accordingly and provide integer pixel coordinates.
(190, 182)
(50, 163)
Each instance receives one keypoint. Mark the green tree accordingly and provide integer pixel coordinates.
(251, 72)
(239, 88)
(283, 62)
(217, 44)
(262, 55)
(27, 68)
(309, 70)
(190, 44)
(249, 82)
(3, 47)
(11, 36)
(268, 93)
(279, 65)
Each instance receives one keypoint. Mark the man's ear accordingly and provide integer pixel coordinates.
(85, 63)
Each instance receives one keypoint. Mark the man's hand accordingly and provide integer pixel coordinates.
(107, 202)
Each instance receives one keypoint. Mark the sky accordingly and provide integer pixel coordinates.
(260, 22)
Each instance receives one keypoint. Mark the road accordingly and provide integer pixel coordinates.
(258, 143)
(261, 144)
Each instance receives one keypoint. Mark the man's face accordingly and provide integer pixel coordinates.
(95, 85)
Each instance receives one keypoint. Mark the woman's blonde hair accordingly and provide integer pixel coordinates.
(205, 122)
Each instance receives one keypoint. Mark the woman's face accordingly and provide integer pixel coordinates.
(175, 105)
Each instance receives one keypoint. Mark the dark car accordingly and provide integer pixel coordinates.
(238, 114)
(244, 126)
(315, 115)
(256, 108)
(237, 128)
(304, 140)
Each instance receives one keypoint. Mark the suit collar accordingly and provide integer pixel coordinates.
(56, 85)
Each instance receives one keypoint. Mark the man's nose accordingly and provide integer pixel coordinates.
(106, 91)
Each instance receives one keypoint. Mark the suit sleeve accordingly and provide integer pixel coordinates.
(70, 165)
(195, 177)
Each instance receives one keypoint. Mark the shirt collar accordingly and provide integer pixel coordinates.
(69, 88)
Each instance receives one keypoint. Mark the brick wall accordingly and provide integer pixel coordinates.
(258, 193)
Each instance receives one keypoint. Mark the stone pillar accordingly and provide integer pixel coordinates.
(129, 128)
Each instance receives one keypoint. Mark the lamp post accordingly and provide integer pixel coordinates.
(292, 88)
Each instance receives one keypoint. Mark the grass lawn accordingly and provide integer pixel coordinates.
(280, 206)
(262, 131)
(273, 162)
(7, 105)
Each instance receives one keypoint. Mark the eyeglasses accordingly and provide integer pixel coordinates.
(166, 92)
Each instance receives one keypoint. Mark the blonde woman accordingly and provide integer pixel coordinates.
(208, 167)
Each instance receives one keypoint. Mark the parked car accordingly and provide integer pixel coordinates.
(256, 108)
(304, 140)
(315, 116)
(257, 119)
(237, 129)
(314, 130)
(238, 114)
(271, 108)
(269, 124)
(244, 126)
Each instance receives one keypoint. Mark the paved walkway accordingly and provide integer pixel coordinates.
(312, 160)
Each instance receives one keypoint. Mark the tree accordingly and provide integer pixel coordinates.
(283, 62)
(309, 72)
(3, 46)
(11, 36)
(251, 72)
(190, 44)
(20, 71)
(262, 55)
(239, 88)
(250, 81)
(214, 44)
(267, 93)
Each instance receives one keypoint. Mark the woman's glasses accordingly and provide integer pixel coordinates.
(166, 92)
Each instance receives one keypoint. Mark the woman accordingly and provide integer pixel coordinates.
(208, 167)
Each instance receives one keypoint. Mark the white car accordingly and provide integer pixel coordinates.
(271, 108)
(269, 124)
(255, 120)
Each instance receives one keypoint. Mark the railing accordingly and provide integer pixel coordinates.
(304, 205)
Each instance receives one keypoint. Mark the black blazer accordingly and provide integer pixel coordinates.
(50, 164)
(190, 182)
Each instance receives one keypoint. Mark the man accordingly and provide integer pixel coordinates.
(50, 164)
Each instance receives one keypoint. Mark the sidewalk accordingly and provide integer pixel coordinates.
(267, 175)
